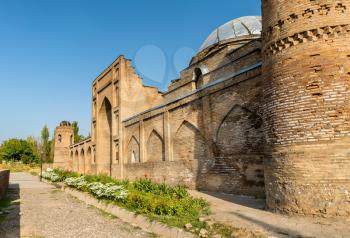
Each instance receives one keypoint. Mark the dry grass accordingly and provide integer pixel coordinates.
(18, 167)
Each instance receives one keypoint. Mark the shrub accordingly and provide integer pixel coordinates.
(65, 174)
(52, 176)
(146, 185)
(76, 182)
(108, 191)
(171, 205)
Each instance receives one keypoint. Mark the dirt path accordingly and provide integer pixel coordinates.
(240, 211)
(44, 211)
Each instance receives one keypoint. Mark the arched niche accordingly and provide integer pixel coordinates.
(155, 147)
(188, 143)
(239, 132)
(133, 151)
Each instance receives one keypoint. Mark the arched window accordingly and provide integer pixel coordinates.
(198, 75)
(60, 138)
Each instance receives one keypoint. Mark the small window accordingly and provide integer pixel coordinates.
(198, 77)
(59, 138)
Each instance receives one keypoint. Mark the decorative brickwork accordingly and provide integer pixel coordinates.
(306, 67)
(323, 33)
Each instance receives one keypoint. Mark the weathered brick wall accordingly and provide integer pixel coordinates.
(212, 140)
(234, 125)
(220, 60)
(306, 68)
(4, 182)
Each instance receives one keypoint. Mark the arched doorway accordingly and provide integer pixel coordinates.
(82, 162)
(76, 162)
(70, 161)
(104, 154)
(88, 161)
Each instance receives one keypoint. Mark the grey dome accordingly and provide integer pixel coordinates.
(237, 28)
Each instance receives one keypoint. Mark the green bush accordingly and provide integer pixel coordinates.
(146, 185)
(168, 204)
(63, 175)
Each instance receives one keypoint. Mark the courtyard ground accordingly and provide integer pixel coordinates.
(40, 210)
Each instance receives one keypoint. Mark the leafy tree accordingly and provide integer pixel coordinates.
(77, 137)
(19, 151)
(35, 145)
(45, 142)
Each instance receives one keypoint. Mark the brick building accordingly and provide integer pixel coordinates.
(263, 115)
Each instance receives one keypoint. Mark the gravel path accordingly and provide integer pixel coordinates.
(44, 211)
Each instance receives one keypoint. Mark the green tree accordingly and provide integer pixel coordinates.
(34, 144)
(77, 137)
(18, 151)
(45, 142)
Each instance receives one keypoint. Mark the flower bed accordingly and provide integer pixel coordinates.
(170, 205)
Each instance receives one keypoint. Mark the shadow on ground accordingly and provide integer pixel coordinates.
(10, 213)
(246, 201)
(281, 231)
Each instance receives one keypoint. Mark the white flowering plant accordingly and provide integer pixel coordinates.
(109, 191)
(51, 176)
(76, 182)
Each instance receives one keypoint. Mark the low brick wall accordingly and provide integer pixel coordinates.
(4, 182)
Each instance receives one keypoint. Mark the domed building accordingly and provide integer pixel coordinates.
(204, 132)
(238, 30)
(267, 117)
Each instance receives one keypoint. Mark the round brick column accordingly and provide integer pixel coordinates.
(306, 68)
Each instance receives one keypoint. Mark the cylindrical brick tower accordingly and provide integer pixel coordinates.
(64, 137)
(306, 68)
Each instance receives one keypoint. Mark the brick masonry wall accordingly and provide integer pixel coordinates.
(306, 67)
(212, 141)
(4, 182)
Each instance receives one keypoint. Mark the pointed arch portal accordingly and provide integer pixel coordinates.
(105, 137)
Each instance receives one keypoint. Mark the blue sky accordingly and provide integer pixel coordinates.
(51, 51)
